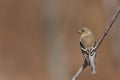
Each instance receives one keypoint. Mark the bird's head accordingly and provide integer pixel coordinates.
(84, 30)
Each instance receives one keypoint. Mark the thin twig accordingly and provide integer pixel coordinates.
(108, 27)
(80, 70)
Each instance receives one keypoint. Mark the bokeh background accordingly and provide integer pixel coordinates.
(39, 39)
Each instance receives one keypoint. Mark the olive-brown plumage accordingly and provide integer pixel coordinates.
(86, 37)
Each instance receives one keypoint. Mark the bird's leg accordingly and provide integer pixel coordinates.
(85, 64)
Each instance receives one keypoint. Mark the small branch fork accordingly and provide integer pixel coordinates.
(108, 27)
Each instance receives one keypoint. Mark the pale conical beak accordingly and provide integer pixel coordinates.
(80, 32)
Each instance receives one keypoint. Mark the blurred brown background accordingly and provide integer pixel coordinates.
(39, 39)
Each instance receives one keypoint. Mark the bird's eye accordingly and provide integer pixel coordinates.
(83, 30)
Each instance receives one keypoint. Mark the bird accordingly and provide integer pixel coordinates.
(87, 45)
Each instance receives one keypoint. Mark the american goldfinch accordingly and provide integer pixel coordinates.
(87, 44)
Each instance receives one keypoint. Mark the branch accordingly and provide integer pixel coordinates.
(108, 27)
(85, 64)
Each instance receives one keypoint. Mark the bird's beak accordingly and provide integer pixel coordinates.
(80, 32)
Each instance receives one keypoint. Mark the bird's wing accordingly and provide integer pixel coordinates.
(94, 44)
(82, 46)
(84, 50)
